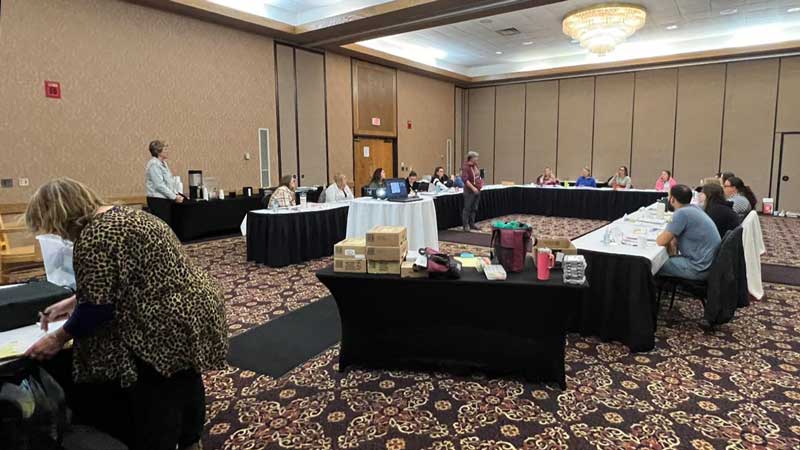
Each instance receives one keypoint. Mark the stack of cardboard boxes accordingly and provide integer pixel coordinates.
(386, 249)
(350, 256)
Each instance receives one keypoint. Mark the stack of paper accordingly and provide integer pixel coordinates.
(13, 343)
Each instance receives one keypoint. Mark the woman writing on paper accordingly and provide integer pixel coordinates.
(145, 321)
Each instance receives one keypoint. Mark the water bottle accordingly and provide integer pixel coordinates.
(273, 204)
(607, 235)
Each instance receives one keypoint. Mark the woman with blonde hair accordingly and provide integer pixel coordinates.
(145, 320)
(338, 191)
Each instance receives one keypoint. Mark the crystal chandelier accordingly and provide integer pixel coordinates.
(601, 28)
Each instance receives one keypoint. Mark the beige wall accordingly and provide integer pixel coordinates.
(693, 120)
(430, 106)
(509, 137)
(339, 99)
(129, 74)
(480, 127)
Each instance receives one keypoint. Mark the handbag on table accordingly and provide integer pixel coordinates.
(511, 242)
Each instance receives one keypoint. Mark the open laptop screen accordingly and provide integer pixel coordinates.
(396, 188)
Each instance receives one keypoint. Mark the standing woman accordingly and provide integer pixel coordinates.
(159, 182)
(145, 321)
(473, 183)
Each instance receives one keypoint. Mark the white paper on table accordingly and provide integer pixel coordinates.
(13, 343)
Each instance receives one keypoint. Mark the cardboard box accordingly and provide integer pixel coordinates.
(351, 248)
(407, 271)
(350, 265)
(560, 245)
(386, 236)
(387, 253)
(384, 267)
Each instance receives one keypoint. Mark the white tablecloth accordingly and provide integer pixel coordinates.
(309, 208)
(629, 227)
(418, 217)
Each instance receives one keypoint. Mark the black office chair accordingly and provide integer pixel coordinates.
(723, 291)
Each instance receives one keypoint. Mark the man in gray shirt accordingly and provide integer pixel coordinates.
(159, 182)
(691, 238)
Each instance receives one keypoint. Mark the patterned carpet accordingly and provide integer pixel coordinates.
(736, 388)
(783, 245)
(554, 227)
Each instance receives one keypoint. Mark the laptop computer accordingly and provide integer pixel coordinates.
(397, 191)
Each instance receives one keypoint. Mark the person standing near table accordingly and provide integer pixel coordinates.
(338, 191)
(473, 183)
(586, 179)
(159, 182)
(665, 181)
(145, 321)
(284, 194)
(621, 180)
(691, 239)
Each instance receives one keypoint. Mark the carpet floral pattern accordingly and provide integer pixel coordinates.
(781, 240)
(554, 227)
(735, 388)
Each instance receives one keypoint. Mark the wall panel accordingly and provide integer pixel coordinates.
(339, 99)
(653, 125)
(428, 104)
(750, 99)
(287, 109)
(480, 134)
(613, 119)
(374, 97)
(789, 95)
(459, 141)
(575, 117)
(541, 127)
(311, 118)
(701, 95)
(509, 138)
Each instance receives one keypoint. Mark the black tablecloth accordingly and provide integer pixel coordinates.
(620, 305)
(194, 219)
(281, 239)
(576, 202)
(517, 325)
(20, 305)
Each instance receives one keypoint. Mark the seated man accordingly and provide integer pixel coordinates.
(691, 238)
(412, 185)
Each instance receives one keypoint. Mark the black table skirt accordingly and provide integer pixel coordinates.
(577, 203)
(621, 303)
(278, 240)
(197, 219)
(513, 326)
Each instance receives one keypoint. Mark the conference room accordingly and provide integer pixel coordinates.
(399, 224)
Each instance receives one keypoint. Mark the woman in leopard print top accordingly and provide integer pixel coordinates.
(146, 319)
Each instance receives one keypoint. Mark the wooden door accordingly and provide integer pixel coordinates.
(789, 178)
(368, 155)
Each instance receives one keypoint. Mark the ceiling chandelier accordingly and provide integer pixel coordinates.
(601, 28)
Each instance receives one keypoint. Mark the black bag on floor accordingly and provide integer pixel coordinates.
(33, 411)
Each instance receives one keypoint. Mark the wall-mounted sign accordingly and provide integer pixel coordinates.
(52, 89)
(376, 121)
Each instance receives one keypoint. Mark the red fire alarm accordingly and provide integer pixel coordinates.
(52, 89)
(409, 124)
(376, 121)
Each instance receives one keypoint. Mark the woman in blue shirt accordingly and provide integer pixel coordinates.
(586, 179)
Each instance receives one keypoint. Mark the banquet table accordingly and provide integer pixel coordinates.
(418, 217)
(581, 203)
(621, 304)
(194, 219)
(517, 325)
(293, 235)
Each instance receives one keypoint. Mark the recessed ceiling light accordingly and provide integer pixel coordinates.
(485, 21)
(793, 10)
(728, 12)
(672, 27)
(498, 53)
(527, 43)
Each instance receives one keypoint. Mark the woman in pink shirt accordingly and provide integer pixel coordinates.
(665, 182)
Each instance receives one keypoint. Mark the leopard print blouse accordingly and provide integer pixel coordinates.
(168, 312)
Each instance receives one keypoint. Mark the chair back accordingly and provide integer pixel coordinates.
(753, 244)
(727, 287)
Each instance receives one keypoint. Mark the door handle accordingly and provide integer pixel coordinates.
(785, 178)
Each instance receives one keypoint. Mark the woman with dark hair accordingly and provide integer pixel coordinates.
(284, 194)
(378, 178)
(440, 177)
(725, 176)
(719, 209)
(621, 180)
(743, 198)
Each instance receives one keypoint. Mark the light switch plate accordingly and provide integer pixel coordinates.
(24, 182)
